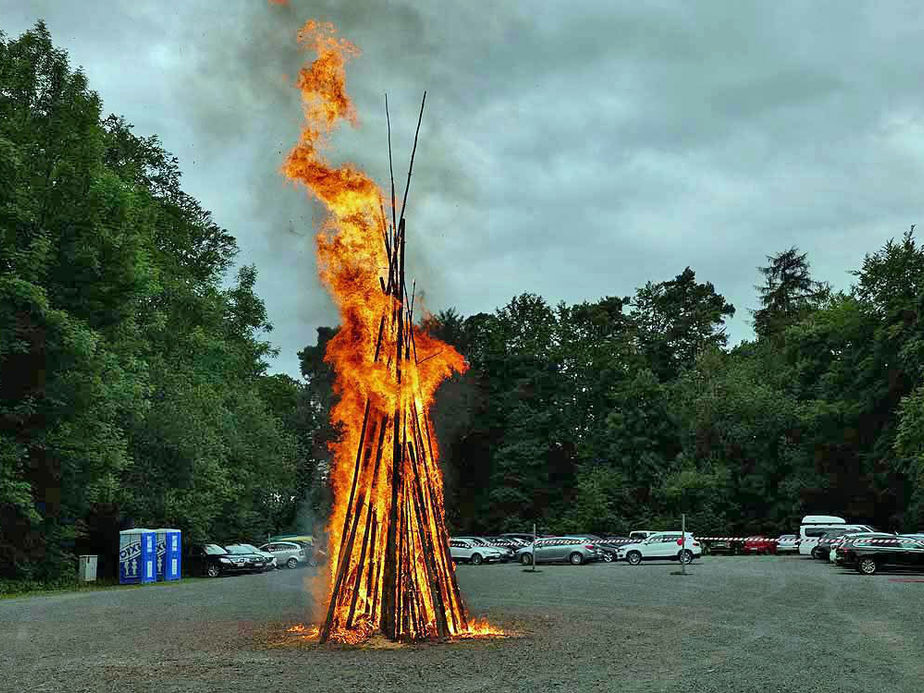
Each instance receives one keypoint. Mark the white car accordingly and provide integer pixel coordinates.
(641, 534)
(286, 553)
(465, 551)
(507, 553)
(662, 546)
(787, 543)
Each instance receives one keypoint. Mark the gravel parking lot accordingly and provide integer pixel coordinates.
(734, 624)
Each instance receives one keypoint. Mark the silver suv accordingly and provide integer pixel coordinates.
(286, 553)
(573, 550)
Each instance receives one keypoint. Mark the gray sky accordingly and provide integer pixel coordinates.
(571, 149)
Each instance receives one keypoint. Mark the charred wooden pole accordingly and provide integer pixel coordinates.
(393, 569)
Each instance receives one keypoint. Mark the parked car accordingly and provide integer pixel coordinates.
(616, 540)
(508, 543)
(759, 545)
(507, 553)
(787, 543)
(573, 550)
(212, 560)
(868, 555)
(527, 538)
(250, 558)
(662, 546)
(641, 534)
(271, 559)
(822, 548)
(813, 527)
(608, 553)
(204, 560)
(287, 553)
(839, 548)
(465, 551)
(726, 546)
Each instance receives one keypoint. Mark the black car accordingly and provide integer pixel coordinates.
(609, 550)
(822, 549)
(528, 538)
(868, 555)
(212, 560)
(726, 546)
(841, 548)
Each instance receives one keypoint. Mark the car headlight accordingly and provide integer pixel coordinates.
(225, 560)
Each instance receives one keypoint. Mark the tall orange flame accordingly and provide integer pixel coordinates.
(390, 567)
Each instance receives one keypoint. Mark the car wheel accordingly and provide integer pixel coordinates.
(607, 558)
(576, 558)
(526, 559)
(815, 554)
(292, 563)
(634, 558)
(213, 571)
(867, 566)
(685, 557)
(477, 559)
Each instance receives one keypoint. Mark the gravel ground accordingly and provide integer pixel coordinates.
(734, 624)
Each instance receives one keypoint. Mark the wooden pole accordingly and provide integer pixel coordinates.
(407, 185)
(391, 169)
(343, 554)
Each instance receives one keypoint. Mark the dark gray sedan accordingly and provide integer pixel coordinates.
(573, 550)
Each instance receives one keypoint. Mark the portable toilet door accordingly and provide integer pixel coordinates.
(149, 556)
(161, 539)
(169, 549)
(137, 556)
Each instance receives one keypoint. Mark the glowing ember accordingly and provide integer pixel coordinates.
(480, 628)
(390, 567)
(305, 632)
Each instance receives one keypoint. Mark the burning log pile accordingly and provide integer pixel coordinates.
(391, 570)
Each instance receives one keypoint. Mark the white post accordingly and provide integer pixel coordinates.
(683, 538)
(534, 547)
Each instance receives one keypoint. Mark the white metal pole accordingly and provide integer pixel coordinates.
(683, 538)
(534, 547)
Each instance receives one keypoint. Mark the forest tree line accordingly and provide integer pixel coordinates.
(134, 385)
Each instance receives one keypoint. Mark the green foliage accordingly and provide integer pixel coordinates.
(132, 385)
(589, 418)
(787, 294)
(676, 320)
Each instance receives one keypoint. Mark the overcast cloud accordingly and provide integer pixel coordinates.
(571, 149)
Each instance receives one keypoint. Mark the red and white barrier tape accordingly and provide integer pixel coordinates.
(809, 540)
(755, 538)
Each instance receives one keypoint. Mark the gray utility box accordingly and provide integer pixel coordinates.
(87, 571)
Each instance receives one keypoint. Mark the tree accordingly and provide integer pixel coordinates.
(132, 386)
(787, 293)
(678, 319)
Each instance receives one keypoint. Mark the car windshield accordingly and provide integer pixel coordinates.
(238, 549)
(214, 549)
(251, 547)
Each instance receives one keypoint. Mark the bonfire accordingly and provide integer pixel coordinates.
(390, 567)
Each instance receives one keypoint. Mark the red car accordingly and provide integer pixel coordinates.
(759, 545)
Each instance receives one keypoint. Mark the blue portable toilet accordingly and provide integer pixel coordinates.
(169, 554)
(137, 551)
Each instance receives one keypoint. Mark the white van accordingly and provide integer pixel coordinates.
(640, 534)
(814, 526)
